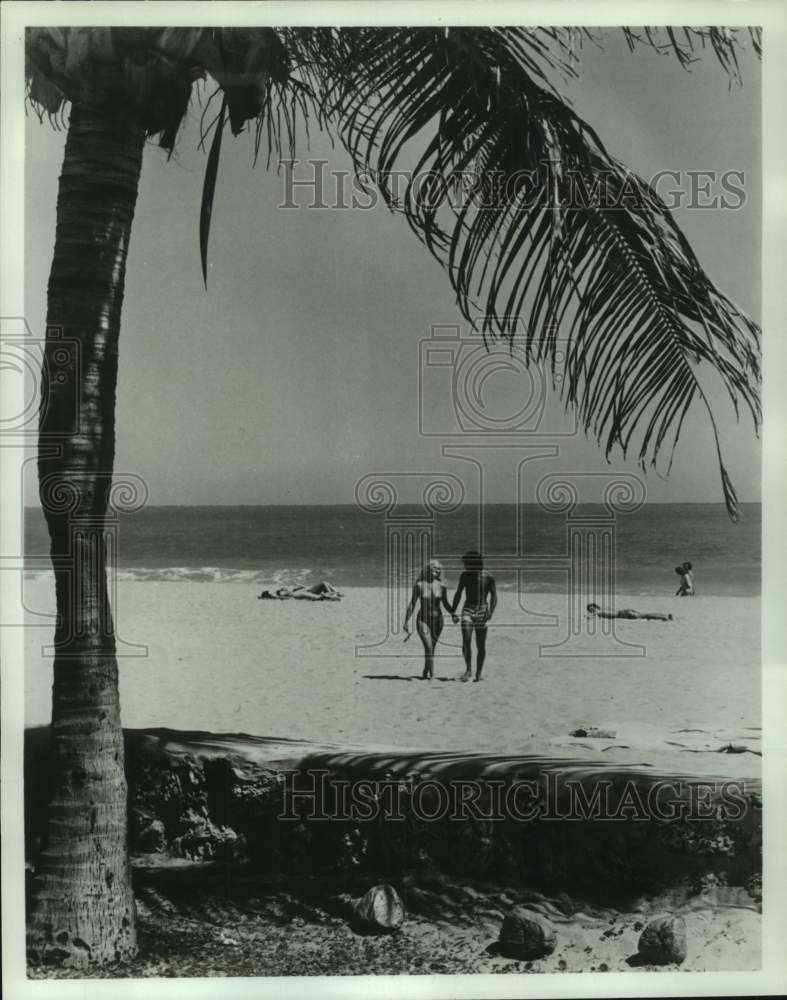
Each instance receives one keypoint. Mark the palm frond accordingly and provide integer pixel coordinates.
(209, 190)
(605, 280)
(688, 44)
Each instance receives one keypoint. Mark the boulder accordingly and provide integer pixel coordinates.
(379, 910)
(663, 940)
(526, 935)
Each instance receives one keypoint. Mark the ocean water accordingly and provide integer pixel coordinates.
(343, 544)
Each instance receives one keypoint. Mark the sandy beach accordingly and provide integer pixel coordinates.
(310, 678)
(218, 659)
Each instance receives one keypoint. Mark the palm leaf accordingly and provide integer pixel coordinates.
(209, 190)
(609, 280)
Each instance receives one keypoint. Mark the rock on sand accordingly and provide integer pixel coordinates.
(527, 935)
(664, 940)
(380, 909)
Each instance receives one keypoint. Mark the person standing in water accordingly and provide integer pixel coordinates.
(686, 587)
(480, 593)
(430, 590)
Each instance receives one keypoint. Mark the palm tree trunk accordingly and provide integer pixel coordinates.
(83, 906)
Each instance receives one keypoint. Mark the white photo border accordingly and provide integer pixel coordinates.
(772, 16)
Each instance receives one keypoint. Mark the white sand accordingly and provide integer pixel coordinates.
(220, 660)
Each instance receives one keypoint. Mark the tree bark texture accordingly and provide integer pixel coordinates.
(82, 903)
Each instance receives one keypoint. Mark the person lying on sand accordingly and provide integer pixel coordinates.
(594, 611)
(430, 590)
(322, 591)
(480, 602)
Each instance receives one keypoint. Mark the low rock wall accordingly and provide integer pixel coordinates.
(596, 831)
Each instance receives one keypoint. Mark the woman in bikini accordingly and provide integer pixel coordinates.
(430, 590)
(480, 603)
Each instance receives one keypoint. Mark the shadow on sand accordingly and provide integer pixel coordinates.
(392, 677)
(407, 677)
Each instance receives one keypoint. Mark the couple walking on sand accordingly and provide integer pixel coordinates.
(480, 592)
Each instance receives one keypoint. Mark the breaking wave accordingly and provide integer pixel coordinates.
(205, 574)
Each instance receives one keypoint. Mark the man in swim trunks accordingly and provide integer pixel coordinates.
(594, 611)
(480, 593)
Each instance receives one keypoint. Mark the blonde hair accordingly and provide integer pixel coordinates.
(426, 573)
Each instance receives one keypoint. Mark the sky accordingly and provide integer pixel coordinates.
(302, 368)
